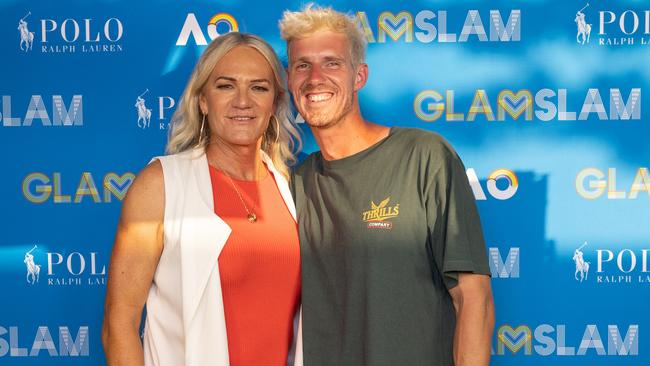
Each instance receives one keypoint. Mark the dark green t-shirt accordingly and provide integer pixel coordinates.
(383, 235)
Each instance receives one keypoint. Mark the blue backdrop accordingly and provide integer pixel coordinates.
(542, 99)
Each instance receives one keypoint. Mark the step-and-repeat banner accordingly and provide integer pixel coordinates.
(544, 101)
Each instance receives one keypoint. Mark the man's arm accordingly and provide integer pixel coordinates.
(474, 306)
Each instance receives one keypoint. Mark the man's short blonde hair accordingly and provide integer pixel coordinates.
(313, 18)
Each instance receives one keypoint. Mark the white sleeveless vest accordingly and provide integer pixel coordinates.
(185, 323)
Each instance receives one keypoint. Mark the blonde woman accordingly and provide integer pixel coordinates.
(208, 238)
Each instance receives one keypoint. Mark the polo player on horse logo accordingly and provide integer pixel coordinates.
(33, 269)
(144, 114)
(584, 29)
(582, 267)
(26, 36)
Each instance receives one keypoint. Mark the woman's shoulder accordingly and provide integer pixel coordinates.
(146, 195)
(151, 175)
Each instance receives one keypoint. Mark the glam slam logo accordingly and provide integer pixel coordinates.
(39, 187)
(527, 105)
(378, 215)
(428, 26)
(563, 340)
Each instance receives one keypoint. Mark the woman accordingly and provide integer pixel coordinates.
(207, 234)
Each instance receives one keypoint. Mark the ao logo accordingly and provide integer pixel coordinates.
(192, 28)
(504, 175)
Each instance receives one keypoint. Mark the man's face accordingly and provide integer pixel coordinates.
(322, 79)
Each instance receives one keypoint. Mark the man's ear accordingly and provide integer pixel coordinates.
(361, 77)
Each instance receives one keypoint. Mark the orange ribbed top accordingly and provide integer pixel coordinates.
(260, 270)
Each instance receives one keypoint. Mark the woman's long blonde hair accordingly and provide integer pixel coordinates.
(186, 122)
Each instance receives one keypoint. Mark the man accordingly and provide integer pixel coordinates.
(394, 264)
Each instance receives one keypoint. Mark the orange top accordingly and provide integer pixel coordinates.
(260, 270)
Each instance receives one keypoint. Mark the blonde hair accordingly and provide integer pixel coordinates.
(302, 24)
(187, 119)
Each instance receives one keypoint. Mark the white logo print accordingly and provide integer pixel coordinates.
(33, 269)
(144, 114)
(584, 29)
(582, 267)
(26, 37)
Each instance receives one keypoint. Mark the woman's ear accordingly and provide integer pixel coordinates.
(203, 104)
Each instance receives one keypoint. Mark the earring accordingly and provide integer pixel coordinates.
(201, 131)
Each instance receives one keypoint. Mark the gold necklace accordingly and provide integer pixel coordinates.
(252, 218)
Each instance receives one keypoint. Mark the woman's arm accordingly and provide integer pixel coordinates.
(136, 252)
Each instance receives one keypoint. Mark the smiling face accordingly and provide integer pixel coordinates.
(322, 79)
(238, 98)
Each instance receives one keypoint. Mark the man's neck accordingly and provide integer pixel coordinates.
(348, 137)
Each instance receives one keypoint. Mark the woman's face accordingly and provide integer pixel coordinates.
(238, 98)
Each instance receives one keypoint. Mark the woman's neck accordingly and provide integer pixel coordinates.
(239, 162)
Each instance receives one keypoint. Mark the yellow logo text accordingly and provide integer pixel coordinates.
(381, 211)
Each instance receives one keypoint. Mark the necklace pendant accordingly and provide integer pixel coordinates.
(252, 218)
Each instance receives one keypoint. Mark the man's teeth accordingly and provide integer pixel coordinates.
(319, 97)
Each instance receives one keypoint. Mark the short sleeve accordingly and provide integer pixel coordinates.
(455, 232)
